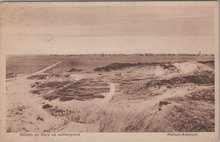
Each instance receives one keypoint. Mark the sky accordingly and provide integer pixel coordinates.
(111, 28)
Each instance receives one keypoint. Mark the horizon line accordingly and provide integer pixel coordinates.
(110, 54)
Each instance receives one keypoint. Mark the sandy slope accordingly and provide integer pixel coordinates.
(25, 111)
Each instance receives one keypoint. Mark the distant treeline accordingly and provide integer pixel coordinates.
(147, 54)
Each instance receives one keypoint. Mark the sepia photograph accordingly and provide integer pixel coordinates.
(110, 67)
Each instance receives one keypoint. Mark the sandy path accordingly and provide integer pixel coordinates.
(45, 69)
(111, 93)
(35, 73)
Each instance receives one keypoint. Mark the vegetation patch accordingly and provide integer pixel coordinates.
(46, 106)
(206, 78)
(184, 119)
(10, 75)
(118, 66)
(81, 90)
(74, 70)
(207, 95)
(39, 87)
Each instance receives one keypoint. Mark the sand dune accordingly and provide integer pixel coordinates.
(160, 97)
